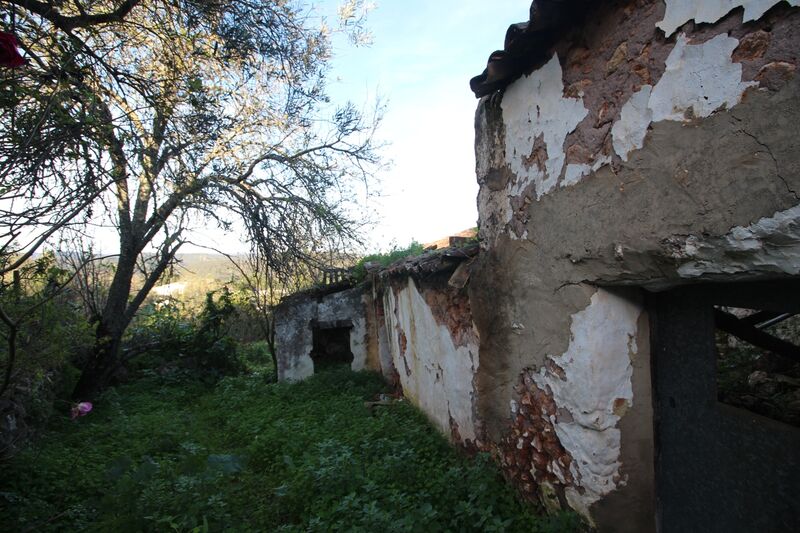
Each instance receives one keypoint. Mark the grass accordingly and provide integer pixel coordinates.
(164, 454)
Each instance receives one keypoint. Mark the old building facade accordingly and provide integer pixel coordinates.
(639, 172)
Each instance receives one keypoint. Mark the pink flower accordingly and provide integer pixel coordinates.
(80, 409)
(9, 55)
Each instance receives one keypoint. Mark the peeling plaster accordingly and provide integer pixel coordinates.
(629, 131)
(358, 344)
(348, 305)
(699, 77)
(495, 211)
(294, 336)
(769, 245)
(440, 375)
(679, 12)
(698, 80)
(575, 172)
(535, 106)
(388, 369)
(293, 342)
(591, 385)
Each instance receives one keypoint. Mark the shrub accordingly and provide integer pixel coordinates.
(256, 360)
(171, 341)
(51, 336)
(359, 271)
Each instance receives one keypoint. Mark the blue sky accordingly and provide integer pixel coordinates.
(422, 57)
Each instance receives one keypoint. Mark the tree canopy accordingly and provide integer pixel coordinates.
(151, 114)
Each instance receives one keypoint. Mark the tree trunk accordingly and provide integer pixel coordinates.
(102, 364)
(271, 345)
(104, 360)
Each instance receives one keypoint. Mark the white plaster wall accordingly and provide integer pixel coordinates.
(679, 12)
(771, 245)
(294, 338)
(348, 305)
(595, 390)
(698, 80)
(535, 106)
(385, 354)
(436, 375)
(358, 344)
(342, 305)
(630, 129)
(575, 172)
(293, 342)
(700, 77)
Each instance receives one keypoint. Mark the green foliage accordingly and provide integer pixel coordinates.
(386, 259)
(51, 335)
(255, 360)
(51, 325)
(250, 456)
(177, 340)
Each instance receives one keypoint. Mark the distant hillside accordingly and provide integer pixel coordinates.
(206, 266)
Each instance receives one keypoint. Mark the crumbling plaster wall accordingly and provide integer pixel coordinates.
(294, 334)
(433, 345)
(348, 305)
(418, 332)
(293, 339)
(631, 157)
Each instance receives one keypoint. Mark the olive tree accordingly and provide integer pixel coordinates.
(153, 114)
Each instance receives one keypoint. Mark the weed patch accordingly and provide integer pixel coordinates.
(247, 455)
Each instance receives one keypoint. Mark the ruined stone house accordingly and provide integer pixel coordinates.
(639, 172)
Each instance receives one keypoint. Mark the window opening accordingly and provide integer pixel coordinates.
(758, 361)
(331, 345)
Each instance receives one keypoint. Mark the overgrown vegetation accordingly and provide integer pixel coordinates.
(42, 332)
(154, 116)
(204, 340)
(165, 454)
(396, 253)
(197, 342)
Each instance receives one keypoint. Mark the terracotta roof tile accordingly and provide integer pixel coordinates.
(528, 44)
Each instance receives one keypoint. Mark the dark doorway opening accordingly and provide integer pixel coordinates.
(331, 344)
(720, 466)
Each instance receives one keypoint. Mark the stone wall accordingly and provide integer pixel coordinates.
(656, 145)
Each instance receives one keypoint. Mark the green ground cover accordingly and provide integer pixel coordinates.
(164, 453)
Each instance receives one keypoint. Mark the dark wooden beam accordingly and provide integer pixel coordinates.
(759, 317)
(739, 329)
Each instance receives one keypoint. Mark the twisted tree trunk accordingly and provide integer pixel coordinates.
(104, 360)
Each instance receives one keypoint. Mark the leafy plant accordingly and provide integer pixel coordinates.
(250, 456)
(396, 253)
(173, 340)
(42, 335)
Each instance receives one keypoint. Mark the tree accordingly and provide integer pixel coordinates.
(265, 280)
(182, 109)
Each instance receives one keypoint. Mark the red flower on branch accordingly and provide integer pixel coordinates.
(9, 55)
